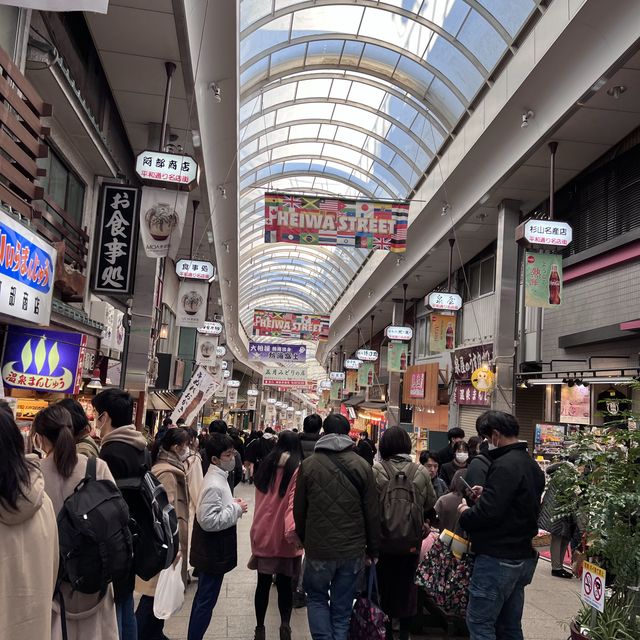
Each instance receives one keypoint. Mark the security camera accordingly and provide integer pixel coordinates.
(217, 92)
(526, 116)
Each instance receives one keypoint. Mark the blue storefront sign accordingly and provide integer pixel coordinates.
(269, 351)
(43, 360)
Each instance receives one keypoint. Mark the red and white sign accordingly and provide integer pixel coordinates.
(593, 583)
(195, 269)
(168, 168)
(399, 333)
(285, 377)
(443, 301)
(550, 233)
(416, 390)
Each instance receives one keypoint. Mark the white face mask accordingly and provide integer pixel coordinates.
(228, 465)
(462, 457)
(183, 454)
(492, 446)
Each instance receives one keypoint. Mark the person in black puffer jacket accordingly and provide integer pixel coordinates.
(310, 434)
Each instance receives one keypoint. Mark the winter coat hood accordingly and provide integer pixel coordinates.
(127, 435)
(28, 504)
(334, 442)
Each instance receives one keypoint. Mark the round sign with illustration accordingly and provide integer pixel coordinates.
(191, 302)
(161, 220)
(207, 349)
(483, 379)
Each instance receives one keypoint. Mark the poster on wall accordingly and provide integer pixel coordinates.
(252, 403)
(232, 395)
(397, 356)
(201, 387)
(206, 347)
(366, 374)
(417, 385)
(340, 222)
(335, 391)
(542, 280)
(442, 334)
(192, 303)
(351, 381)
(285, 324)
(465, 361)
(575, 404)
(162, 214)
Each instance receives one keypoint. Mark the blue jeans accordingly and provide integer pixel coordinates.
(331, 587)
(496, 597)
(209, 586)
(127, 626)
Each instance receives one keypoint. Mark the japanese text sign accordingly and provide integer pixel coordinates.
(593, 583)
(542, 280)
(201, 387)
(367, 355)
(549, 233)
(43, 360)
(26, 272)
(301, 326)
(117, 240)
(285, 377)
(336, 376)
(352, 363)
(466, 361)
(210, 328)
(443, 301)
(268, 351)
(399, 333)
(195, 269)
(417, 382)
(168, 168)
(467, 394)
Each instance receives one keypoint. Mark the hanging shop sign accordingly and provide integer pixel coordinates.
(335, 393)
(397, 357)
(542, 280)
(284, 377)
(548, 233)
(324, 385)
(221, 351)
(117, 239)
(266, 351)
(466, 361)
(338, 222)
(284, 324)
(352, 363)
(366, 374)
(443, 301)
(252, 403)
(192, 303)
(167, 169)
(575, 404)
(351, 381)
(466, 394)
(104, 313)
(195, 270)
(483, 379)
(210, 328)
(399, 333)
(26, 272)
(224, 365)
(366, 355)
(206, 350)
(442, 335)
(162, 215)
(417, 385)
(226, 374)
(43, 360)
(336, 376)
(201, 388)
(119, 332)
(269, 414)
(234, 384)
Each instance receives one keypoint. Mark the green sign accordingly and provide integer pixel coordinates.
(366, 374)
(542, 280)
(397, 356)
(336, 391)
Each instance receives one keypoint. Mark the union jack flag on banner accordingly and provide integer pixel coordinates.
(299, 219)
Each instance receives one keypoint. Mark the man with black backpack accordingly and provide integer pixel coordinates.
(124, 449)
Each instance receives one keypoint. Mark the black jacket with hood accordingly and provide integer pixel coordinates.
(308, 442)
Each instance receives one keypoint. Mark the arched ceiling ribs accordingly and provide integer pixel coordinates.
(317, 174)
(322, 299)
(276, 293)
(286, 269)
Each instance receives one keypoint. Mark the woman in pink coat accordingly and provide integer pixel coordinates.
(275, 549)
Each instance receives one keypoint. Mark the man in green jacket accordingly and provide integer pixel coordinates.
(337, 519)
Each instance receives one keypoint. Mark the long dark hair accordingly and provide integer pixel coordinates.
(78, 416)
(288, 442)
(171, 437)
(14, 467)
(55, 424)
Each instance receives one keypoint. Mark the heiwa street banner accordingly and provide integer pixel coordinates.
(283, 324)
(337, 222)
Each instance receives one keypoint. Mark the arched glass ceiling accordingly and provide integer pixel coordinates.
(351, 98)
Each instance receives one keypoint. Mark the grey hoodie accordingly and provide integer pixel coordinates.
(334, 442)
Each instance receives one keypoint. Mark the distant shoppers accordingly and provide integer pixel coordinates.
(446, 455)
(166, 425)
(214, 548)
(235, 476)
(478, 468)
(430, 462)
(259, 448)
(474, 446)
(406, 496)
(501, 524)
(365, 447)
(125, 451)
(337, 519)
(87, 615)
(274, 551)
(310, 434)
(29, 534)
(460, 461)
(447, 506)
(85, 444)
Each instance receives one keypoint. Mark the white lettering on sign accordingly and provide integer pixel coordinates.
(548, 232)
(443, 301)
(114, 247)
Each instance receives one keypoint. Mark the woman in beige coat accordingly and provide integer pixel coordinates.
(87, 615)
(28, 540)
(169, 455)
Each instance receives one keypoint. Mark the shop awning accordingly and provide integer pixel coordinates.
(353, 401)
(377, 406)
(156, 402)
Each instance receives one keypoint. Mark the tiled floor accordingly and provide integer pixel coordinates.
(549, 602)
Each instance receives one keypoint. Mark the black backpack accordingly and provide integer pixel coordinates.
(93, 530)
(402, 518)
(155, 524)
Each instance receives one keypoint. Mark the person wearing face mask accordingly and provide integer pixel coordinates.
(169, 457)
(214, 543)
(478, 468)
(124, 449)
(460, 461)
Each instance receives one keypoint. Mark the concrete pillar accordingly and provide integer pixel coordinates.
(395, 379)
(503, 397)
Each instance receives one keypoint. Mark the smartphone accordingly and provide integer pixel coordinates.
(468, 486)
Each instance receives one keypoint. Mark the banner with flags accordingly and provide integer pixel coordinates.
(339, 222)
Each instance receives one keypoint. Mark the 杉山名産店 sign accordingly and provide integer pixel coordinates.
(548, 233)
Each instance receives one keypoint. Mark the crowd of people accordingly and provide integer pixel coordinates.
(327, 511)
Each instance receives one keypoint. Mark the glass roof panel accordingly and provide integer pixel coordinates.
(511, 15)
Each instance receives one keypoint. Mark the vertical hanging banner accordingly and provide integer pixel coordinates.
(366, 374)
(162, 215)
(351, 384)
(335, 391)
(117, 233)
(200, 388)
(442, 333)
(397, 356)
(206, 350)
(118, 331)
(252, 403)
(542, 280)
(232, 395)
(299, 219)
(192, 303)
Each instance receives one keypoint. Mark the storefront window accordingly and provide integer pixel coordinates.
(9, 28)
(421, 337)
(64, 187)
(481, 277)
(165, 345)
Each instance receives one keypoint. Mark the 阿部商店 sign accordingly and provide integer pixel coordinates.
(169, 168)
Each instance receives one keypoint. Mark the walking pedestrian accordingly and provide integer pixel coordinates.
(193, 469)
(365, 447)
(446, 507)
(478, 467)
(85, 444)
(406, 497)
(310, 434)
(259, 448)
(430, 462)
(168, 457)
(460, 461)
(29, 534)
(445, 455)
(87, 615)
(214, 544)
(337, 520)
(124, 449)
(275, 550)
(235, 477)
(502, 524)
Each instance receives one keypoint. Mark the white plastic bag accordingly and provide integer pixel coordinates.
(169, 596)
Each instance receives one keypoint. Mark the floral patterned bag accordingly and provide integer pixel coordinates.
(367, 619)
(446, 579)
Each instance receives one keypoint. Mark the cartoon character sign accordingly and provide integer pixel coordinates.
(483, 379)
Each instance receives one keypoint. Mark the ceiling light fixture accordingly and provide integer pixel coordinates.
(617, 91)
(222, 191)
(217, 92)
(210, 236)
(526, 116)
(94, 383)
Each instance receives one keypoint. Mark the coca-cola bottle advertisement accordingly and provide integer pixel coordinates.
(543, 280)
